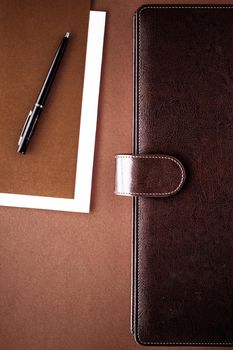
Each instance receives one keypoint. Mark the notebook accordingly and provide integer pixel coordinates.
(31, 32)
(180, 175)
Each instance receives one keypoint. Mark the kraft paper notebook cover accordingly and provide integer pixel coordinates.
(181, 176)
(31, 32)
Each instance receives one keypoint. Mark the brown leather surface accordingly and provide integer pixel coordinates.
(152, 175)
(31, 32)
(183, 267)
(65, 277)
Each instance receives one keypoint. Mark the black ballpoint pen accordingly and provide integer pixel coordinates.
(34, 114)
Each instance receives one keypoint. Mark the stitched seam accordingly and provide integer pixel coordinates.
(139, 139)
(155, 193)
(186, 7)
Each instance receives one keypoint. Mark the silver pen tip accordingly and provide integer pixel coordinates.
(67, 35)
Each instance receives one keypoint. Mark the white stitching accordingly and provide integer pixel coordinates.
(139, 14)
(186, 7)
(155, 193)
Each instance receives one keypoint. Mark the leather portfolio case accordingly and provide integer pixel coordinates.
(180, 175)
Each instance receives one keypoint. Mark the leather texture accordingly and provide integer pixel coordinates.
(153, 175)
(183, 244)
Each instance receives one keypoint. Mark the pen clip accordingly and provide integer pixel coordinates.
(24, 127)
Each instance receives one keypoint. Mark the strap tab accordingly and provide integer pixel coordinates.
(148, 175)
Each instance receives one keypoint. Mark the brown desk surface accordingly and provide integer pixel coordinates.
(65, 278)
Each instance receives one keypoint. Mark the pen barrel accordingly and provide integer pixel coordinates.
(33, 116)
(52, 72)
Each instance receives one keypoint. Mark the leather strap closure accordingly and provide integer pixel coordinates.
(148, 175)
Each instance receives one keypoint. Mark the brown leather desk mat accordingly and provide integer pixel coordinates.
(65, 277)
(30, 34)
